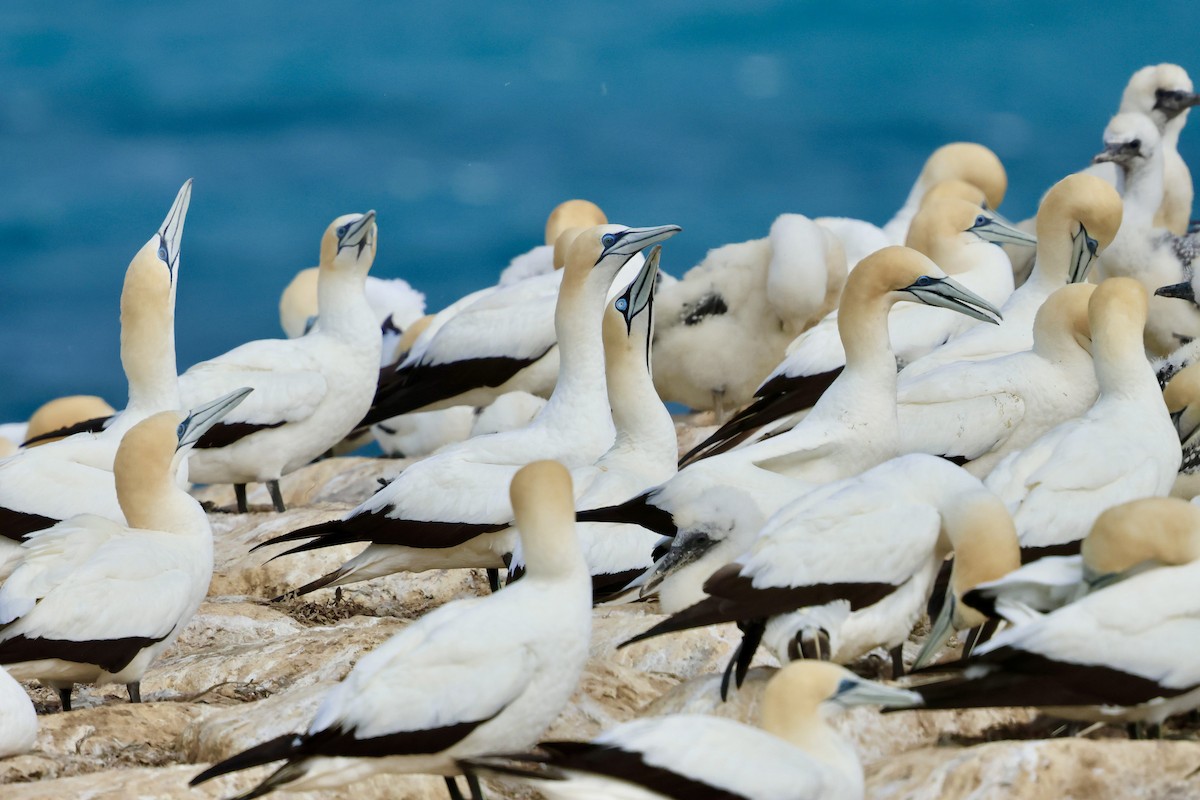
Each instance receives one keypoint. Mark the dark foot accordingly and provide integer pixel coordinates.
(494, 579)
(1144, 730)
(452, 787)
(135, 692)
(897, 654)
(64, 697)
(276, 496)
(239, 491)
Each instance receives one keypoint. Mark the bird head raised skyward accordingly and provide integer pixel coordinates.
(349, 243)
(970, 162)
(602, 250)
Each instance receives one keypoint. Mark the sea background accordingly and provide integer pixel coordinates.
(464, 123)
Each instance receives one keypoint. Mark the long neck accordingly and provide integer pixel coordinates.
(1122, 369)
(579, 394)
(1143, 192)
(642, 421)
(1052, 264)
(809, 732)
(342, 308)
(148, 343)
(863, 328)
(151, 500)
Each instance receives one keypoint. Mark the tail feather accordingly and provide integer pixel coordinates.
(708, 611)
(275, 749)
(635, 511)
(307, 532)
(311, 586)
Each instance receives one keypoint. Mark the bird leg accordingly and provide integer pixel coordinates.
(494, 579)
(276, 496)
(64, 697)
(473, 784)
(452, 786)
(897, 654)
(719, 411)
(135, 691)
(1144, 730)
(239, 491)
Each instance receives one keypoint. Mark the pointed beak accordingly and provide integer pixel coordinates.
(1111, 152)
(170, 233)
(640, 294)
(686, 549)
(1172, 103)
(942, 630)
(1084, 254)
(945, 293)
(357, 232)
(870, 693)
(635, 240)
(1183, 291)
(992, 228)
(200, 419)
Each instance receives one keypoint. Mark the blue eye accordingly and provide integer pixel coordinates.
(608, 239)
(924, 280)
(181, 430)
(980, 221)
(342, 231)
(622, 304)
(1092, 244)
(162, 254)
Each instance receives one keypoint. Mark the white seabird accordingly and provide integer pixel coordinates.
(718, 503)
(309, 392)
(18, 719)
(95, 601)
(794, 754)
(451, 510)
(460, 681)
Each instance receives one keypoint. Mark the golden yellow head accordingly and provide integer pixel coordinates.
(985, 548)
(573, 214)
(1117, 302)
(350, 242)
(1066, 309)
(957, 189)
(1158, 530)
(62, 412)
(1183, 389)
(938, 225)
(1076, 200)
(969, 162)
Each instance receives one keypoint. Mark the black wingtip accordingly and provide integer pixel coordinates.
(307, 532)
(275, 749)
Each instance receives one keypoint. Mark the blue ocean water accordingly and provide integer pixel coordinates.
(464, 123)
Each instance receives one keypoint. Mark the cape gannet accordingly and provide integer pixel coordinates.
(1123, 448)
(538, 261)
(964, 161)
(953, 233)
(42, 485)
(643, 453)
(727, 322)
(795, 753)
(1152, 255)
(450, 510)
(1126, 653)
(717, 503)
(94, 601)
(978, 412)
(18, 720)
(857, 558)
(460, 681)
(309, 392)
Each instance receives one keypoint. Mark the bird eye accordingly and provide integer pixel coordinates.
(181, 430)
(162, 254)
(622, 304)
(608, 239)
(1092, 244)
(980, 221)
(844, 686)
(924, 280)
(1136, 144)
(342, 231)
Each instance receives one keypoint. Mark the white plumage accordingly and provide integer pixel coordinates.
(18, 720)
(461, 680)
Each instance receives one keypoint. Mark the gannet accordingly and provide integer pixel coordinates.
(42, 485)
(1126, 540)
(395, 304)
(965, 161)
(953, 233)
(1152, 255)
(717, 503)
(642, 455)
(460, 681)
(980, 411)
(1126, 653)
(60, 417)
(1077, 219)
(309, 392)
(1163, 93)
(18, 720)
(726, 323)
(451, 510)
(1182, 396)
(95, 601)
(857, 558)
(538, 261)
(795, 753)
(1123, 448)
